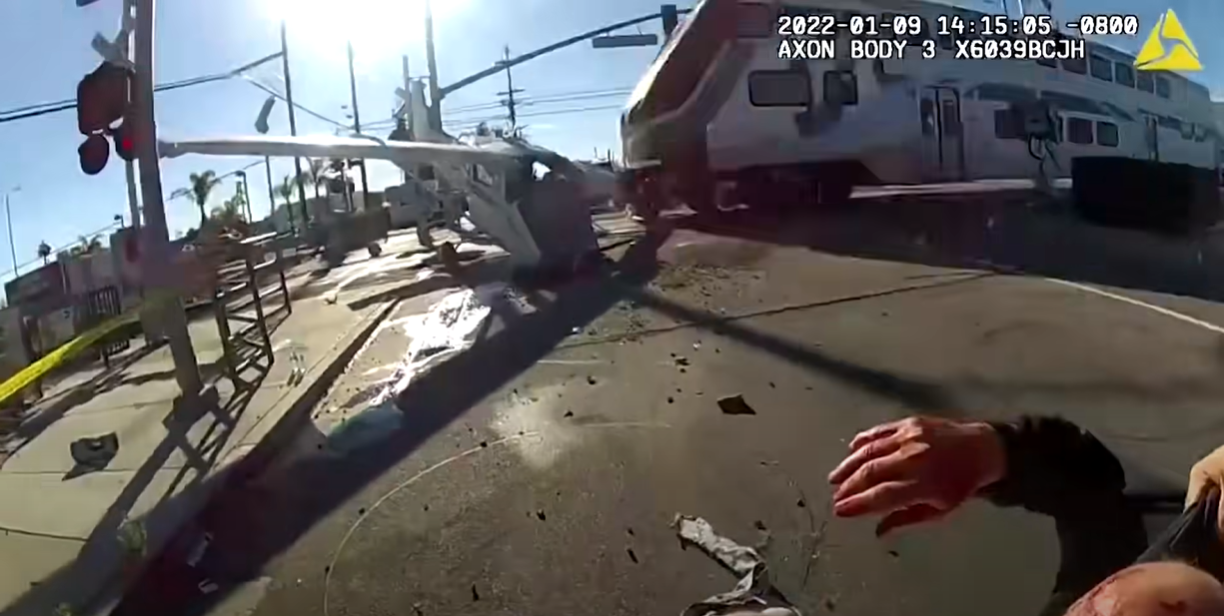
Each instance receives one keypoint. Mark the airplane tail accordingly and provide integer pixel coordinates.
(418, 117)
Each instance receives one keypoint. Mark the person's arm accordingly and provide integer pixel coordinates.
(922, 468)
(1056, 468)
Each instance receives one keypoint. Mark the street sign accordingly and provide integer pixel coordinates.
(626, 40)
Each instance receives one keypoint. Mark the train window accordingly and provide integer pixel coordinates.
(1075, 65)
(1169, 123)
(1124, 74)
(927, 110)
(787, 88)
(840, 88)
(1101, 68)
(1144, 81)
(1162, 87)
(755, 21)
(1008, 124)
(1079, 131)
(1107, 134)
(1005, 93)
(1072, 102)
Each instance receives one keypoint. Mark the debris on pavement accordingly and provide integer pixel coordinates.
(632, 556)
(753, 594)
(92, 453)
(735, 405)
(682, 360)
(540, 514)
(475, 595)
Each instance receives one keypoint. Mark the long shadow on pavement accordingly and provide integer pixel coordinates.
(1005, 231)
(250, 526)
(99, 550)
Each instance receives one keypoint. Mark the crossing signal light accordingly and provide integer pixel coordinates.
(95, 153)
(102, 101)
(125, 140)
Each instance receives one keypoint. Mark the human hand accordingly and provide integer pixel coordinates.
(1206, 474)
(916, 470)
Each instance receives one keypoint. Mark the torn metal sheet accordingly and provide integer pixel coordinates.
(754, 594)
(449, 327)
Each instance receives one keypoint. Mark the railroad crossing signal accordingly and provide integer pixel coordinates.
(102, 105)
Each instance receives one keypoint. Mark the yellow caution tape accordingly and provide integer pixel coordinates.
(28, 375)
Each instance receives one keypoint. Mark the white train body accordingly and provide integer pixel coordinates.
(719, 104)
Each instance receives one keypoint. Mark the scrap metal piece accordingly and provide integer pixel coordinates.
(754, 594)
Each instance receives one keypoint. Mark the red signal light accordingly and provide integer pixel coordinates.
(125, 141)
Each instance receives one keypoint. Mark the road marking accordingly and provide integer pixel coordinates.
(1142, 304)
(1173, 314)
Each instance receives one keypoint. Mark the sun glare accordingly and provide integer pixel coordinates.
(377, 28)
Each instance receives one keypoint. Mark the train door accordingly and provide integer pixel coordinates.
(1151, 137)
(943, 158)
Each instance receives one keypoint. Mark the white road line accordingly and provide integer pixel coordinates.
(1173, 314)
(1134, 302)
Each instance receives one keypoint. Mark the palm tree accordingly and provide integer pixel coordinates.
(201, 186)
(316, 174)
(44, 251)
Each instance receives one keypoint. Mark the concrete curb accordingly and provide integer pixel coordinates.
(292, 411)
(279, 426)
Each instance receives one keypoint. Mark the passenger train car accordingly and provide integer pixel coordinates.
(718, 113)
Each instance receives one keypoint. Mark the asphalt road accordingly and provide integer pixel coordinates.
(539, 472)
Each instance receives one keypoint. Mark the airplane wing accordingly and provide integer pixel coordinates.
(398, 152)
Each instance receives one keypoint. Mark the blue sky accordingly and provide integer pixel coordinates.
(47, 42)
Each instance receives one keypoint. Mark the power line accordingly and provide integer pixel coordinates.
(32, 111)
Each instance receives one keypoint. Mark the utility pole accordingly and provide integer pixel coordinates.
(510, 91)
(156, 255)
(297, 160)
(8, 215)
(431, 58)
(246, 195)
(272, 194)
(365, 186)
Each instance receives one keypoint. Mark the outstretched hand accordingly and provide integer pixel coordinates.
(916, 470)
(1206, 474)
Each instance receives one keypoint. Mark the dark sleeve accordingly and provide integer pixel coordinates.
(1056, 468)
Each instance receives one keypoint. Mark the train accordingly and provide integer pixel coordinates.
(723, 118)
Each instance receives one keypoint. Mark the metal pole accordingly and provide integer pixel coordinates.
(156, 254)
(127, 24)
(8, 216)
(510, 90)
(272, 193)
(431, 58)
(246, 195)
(297, 161)
(365, 186)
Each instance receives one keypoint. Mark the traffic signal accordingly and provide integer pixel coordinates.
(94, 153)
(125, 140)
(102, 101)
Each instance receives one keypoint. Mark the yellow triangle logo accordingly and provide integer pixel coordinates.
(1179, 55)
